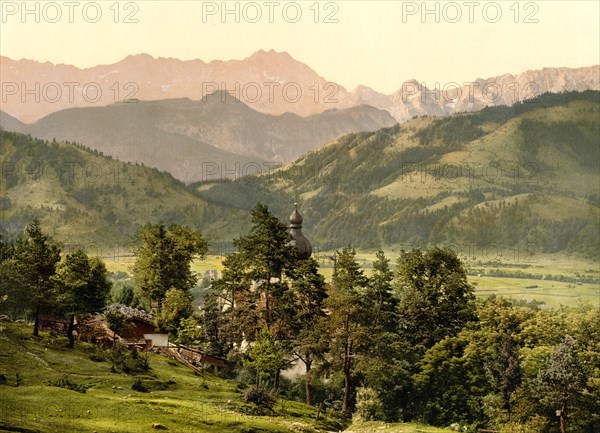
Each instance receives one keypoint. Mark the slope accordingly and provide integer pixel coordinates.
(10, 123)
(34, 395)
(199, 140)
(86, 199)
(523, 177)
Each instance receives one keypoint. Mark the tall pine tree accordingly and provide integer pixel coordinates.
(36, 258)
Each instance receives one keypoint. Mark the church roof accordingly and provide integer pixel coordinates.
(299, 240)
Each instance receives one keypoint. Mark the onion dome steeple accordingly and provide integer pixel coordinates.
(299, 240)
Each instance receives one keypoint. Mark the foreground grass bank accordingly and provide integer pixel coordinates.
(176, 399)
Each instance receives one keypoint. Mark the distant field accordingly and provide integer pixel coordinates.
(553, 293)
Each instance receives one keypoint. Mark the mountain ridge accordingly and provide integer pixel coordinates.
(271, 82)
(192, 138)
(512, 181)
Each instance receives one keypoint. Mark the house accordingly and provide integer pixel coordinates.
(139, 323)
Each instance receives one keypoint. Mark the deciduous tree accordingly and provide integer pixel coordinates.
(82, 287)
(164, 257)
(176, 306)
(436, 300)
(561, 383)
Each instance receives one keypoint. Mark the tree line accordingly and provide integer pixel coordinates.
(408, 342)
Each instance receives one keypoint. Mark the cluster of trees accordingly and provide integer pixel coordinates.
(35, 281)
(403, 343)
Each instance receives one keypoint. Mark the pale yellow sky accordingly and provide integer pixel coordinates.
(376, 43)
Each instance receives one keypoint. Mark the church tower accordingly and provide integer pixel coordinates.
(299, 240)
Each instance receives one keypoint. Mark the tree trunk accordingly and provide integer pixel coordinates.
(319, 410)
(36, 323)
(70, 332)
(308, 381)
(346, 370)
(267, 301)
(277, 374)
(563, 421)
(405, 414)
(346, 403)
(507, 402)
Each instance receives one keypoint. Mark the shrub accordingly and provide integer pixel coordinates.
(368, 405)
(138, 386)
(138, 361)
(65, 382)
(98, 355)
(260, 396)
(533, 425)
(128, 362)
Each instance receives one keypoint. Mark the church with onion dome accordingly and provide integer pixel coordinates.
(299, 241)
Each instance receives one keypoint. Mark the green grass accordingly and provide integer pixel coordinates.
(177, 398)
(553, 293)
(380, 427)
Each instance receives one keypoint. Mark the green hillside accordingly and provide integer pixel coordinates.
(524, 177)
(507, 181)
(36, 373)
(86, 199)
(218, 137)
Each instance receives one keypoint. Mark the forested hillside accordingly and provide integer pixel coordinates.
(518, 179)
(91, 200)
(524, 176)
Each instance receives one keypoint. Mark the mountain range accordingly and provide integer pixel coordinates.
(514, 181)
(217, 137)
(268, 81)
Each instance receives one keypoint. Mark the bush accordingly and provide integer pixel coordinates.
(138, 386)
(128, 362)
(260, 396)
(65, 382)
(533, 425)
(368, 405)
(98, 355)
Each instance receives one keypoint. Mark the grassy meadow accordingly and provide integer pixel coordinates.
(176, 397)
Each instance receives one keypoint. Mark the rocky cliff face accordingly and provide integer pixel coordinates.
(443, 99)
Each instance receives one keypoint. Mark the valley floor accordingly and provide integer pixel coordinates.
(553, 280)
